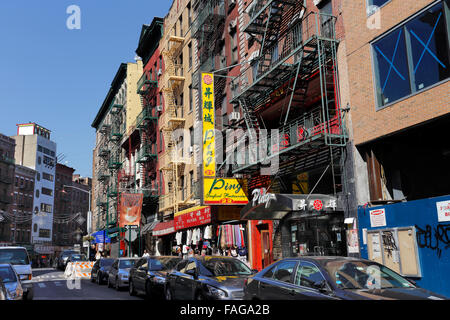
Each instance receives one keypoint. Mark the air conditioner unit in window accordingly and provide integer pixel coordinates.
(159, 108)
(191, 149)
(235, 116)
(159, 72)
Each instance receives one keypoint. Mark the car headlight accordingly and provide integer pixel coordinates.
(215, 292)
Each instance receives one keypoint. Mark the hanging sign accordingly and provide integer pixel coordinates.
(209, 160)
(443, 209)
(260, 196)
(192, 217)
(130, 209)
(221, 191)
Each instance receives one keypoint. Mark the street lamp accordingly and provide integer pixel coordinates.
(89, 213)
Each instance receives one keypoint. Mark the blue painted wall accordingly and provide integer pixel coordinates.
(433, 238)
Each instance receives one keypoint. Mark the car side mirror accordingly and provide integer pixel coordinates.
(321, 286)
(192, 272)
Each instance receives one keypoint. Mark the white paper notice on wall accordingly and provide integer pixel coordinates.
(364, 233)
(376, 246)
(378, 218)
(443, 209)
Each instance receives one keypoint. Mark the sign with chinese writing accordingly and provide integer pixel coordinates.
(443, 209)
(192, 217)
(223, 191)
(377, 218)
(316, 204)
(130, 209)
(209, 161)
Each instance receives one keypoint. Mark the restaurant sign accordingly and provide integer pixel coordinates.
(223, 191)
(209, 157)
(192, 217)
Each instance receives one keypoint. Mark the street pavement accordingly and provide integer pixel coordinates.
(50, 284)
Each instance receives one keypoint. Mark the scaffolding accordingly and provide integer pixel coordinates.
(295, 50)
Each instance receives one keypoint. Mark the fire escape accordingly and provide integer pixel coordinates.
(102, 173)
(147, 124)
(207, 29)
(172, 118)
(296, 49)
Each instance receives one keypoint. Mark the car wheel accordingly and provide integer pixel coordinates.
(28, 295)
(168, 294)
(148, 291)
(99, 278)
(199, 296)
(131, 290)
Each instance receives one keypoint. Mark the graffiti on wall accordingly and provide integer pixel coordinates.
(437, 238)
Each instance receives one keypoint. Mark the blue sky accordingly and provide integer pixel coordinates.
(58, 77)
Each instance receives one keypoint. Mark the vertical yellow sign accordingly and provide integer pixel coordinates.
(208, 111)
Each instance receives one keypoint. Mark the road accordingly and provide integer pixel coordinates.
(50, 284)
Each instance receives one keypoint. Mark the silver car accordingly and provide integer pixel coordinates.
(18, 258)
(118, 275)
(11, 283)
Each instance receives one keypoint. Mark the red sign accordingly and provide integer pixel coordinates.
(130, 207)
(192, 217)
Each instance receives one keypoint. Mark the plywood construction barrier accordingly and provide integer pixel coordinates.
(79, 270)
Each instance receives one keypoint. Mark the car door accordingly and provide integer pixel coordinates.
(133, 272)
(94, 269)
(307, 276)
(278, 282)
(185, 281)
(141, 274)
(172, 278)
(113, 271)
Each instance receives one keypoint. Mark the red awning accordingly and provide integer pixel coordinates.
(163, 228)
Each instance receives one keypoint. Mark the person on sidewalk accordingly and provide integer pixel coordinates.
(145, 254)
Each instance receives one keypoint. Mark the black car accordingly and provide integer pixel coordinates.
(148, 275)
(208, 278)
(62, 260)
(100, 269)
(311, 278)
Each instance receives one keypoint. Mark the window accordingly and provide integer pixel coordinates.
(46, 208)
(307, 275)
(39, 160)
(47, 176)
(412, 57)
(374, 5)
(190, 54)
(191, 135)
(181, 25)
(38, 176)
(191, 98)
(44, 233)
(269, 273)
(189, 14)
(284, 271)
(37, 193)
(47, 192)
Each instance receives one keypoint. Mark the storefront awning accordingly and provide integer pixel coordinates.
(148, 227)
(163, 228)
(192, 217)
(270, 206)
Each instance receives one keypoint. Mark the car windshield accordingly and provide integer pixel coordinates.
(226, 267)
(67, 254)
(124, 264)
(78, 257)
(106, 262)
(364, 275)
(169, 262)
(14, 256)
(7, 275)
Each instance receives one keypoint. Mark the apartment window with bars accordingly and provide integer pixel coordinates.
(190, 54)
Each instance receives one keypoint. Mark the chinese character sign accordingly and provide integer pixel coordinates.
(209, 161)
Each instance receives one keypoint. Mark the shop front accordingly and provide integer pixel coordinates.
(165, 231)
(304, 224)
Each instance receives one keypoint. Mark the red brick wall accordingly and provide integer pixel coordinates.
(369, 124)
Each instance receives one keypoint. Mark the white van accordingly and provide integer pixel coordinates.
(19, 259)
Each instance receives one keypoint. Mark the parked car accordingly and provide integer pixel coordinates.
(119, 272)
(208, 277)
(76, 257)
(148, 276)
(100, 269)
(19, 259)
(11, 283)
(62, 260)
(3, 293)
(347, 278)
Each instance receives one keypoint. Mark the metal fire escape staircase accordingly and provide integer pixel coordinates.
(305, 47)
